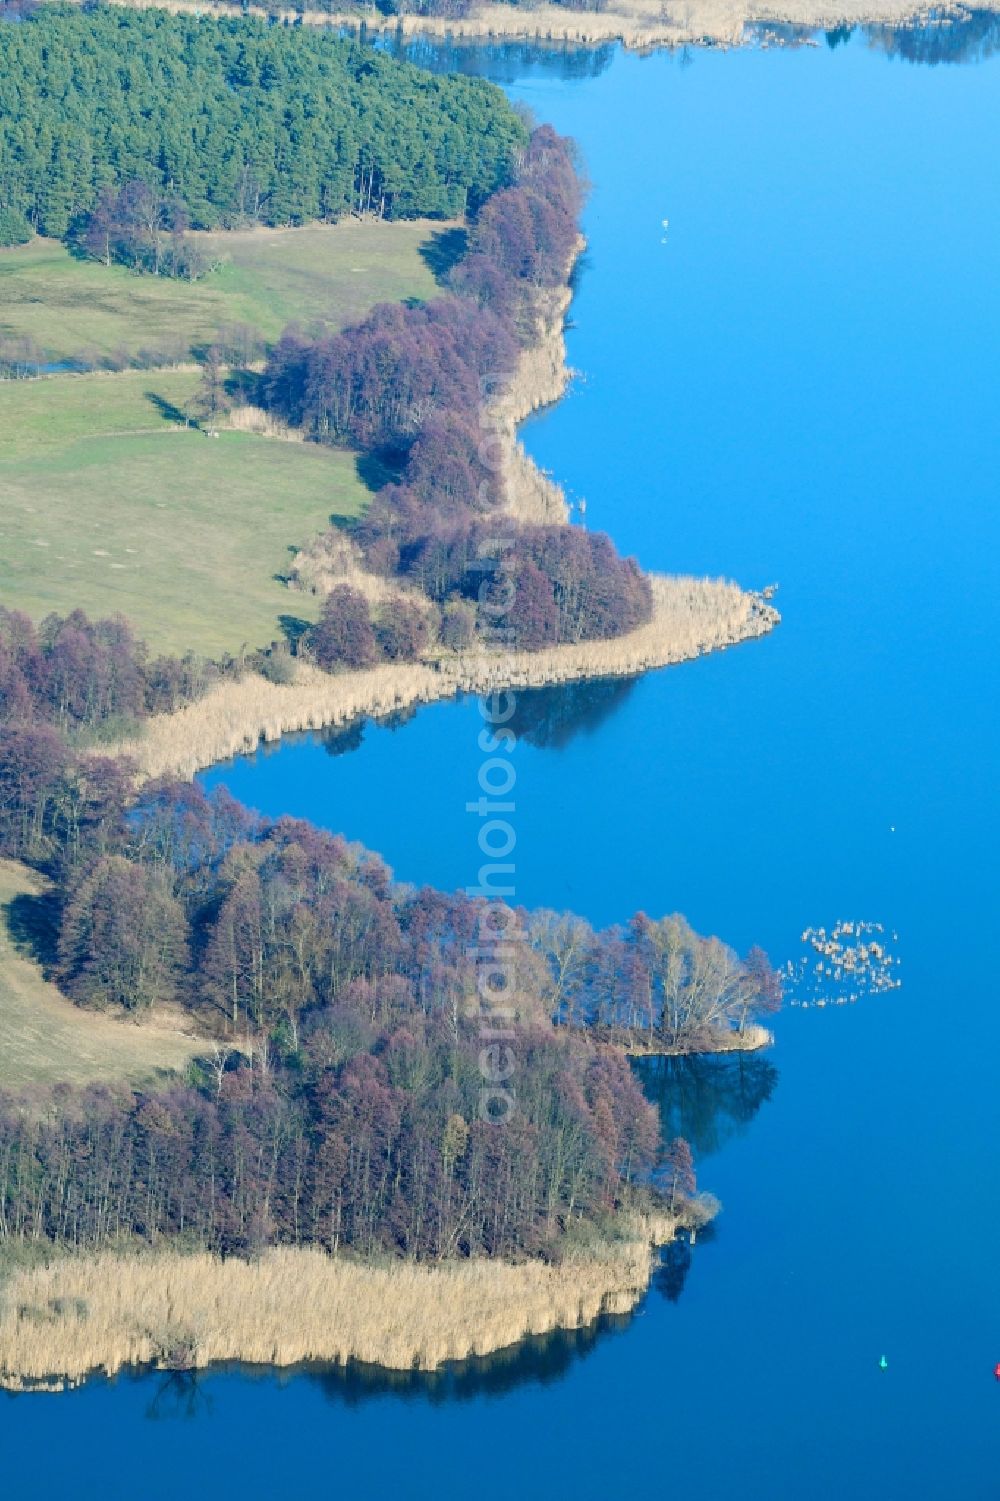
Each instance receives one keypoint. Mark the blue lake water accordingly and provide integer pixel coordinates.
(799, 387)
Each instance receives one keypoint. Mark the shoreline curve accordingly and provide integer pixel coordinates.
(691, 617)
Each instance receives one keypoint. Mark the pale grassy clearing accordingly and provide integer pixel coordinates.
(108, 503)
(81, 1314)
(638, 24)
(45, 1039)
(320, 274)
(691, 617)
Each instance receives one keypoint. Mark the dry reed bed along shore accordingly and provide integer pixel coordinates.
(540, 379)
(753, 1039)
(690, 617)
(639, 25)
(103, 1312)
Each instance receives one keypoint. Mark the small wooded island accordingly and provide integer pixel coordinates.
(341, 1169)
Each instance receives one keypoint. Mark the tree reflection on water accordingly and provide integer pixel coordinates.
(708, 1098)
(969, 37)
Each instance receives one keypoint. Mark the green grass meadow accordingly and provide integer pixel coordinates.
(108, 504)
(329, 274)
(108, 500)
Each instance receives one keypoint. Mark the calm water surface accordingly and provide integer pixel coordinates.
(799, 386)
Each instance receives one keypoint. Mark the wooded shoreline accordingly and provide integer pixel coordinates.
(100, 1310)
(87, 1313)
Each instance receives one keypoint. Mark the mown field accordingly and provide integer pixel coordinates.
(44, 1038)
(108, 503)
(321, 273)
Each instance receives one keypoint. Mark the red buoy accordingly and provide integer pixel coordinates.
(996, 1370)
